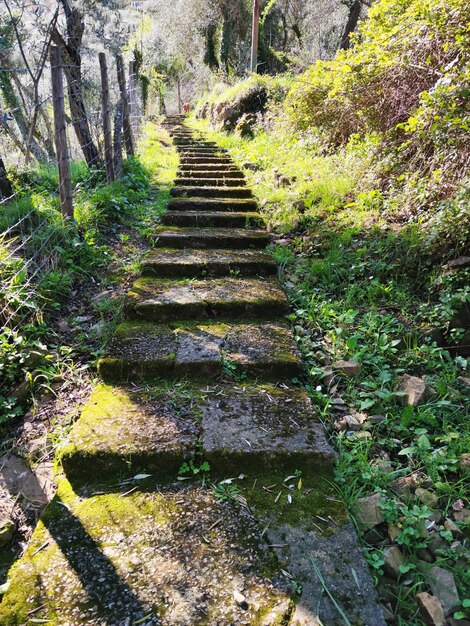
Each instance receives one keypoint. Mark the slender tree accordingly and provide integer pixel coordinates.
(70, 49)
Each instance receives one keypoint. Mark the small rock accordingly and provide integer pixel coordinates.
(443, 586)
(63, 326)
(347, 368)
(376, 419)
(426, 497)
(367, 511)
(415, 390)
(348, 422)
(240, 600)
(327, 375)
(7, 530)
(431, 609)
(464, 463)
(458, 622)
(462, 516)
(389, 617)
(464, 381)
(406, 485)
(100, 297)
(462, 261)
(437, 544)
(393, 558)
(454, 529)
(425, 555)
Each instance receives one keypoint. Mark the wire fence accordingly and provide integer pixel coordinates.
(33, 230)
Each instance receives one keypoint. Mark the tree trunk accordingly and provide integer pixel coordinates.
(117, 146)
(353, 18)
(71, 58)
(6, 189)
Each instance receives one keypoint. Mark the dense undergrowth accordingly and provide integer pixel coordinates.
(59, 259)
(362, 174)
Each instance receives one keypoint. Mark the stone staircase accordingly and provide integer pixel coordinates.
(199, 371)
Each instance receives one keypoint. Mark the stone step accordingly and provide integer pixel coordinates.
(235, 429)
(216, 175)
(213, 204)
(235, 238)
(229, 219)
(206, 181)
(150, 558)
(209, 167)
(144, 351)
(162, 300)
(211, 192)
(169, 263)
(205, 160)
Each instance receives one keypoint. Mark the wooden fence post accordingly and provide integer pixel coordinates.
(255, 36)
(118, 140)
(63, 162)
(133, 106)
(127, 129)
(106, 112)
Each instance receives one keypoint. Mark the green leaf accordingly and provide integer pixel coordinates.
(407, 451)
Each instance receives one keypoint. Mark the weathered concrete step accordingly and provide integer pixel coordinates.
(150, 558)
(236, 430)
(213, 174)
(209, 167)
(211, 192)
(142, 351)
(161, 300)
(169, 263)
(176, 237)
(212, 204)
(204, 160)
(229, 219)
(206, 181)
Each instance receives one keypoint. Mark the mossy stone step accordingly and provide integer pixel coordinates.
(169, 263)
(209, 167)
(161, 300)
(204, 160)
(213, 204)
(230, 219)
(235, 238)
(150, 558)
(236, 429)
(211, 192)
(215, 175)
(118, 424)
(142, 351)
(213, 181)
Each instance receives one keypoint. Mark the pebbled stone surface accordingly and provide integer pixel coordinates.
(167, 300)
(219, 262)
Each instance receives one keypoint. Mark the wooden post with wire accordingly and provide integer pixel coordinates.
(106, 113)
(127, 129)
(60, 127)
(255, 36)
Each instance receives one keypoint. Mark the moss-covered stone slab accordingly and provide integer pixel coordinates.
(336, 554)
(212, 204)
(197, 263)
(202, 181)
(208, 167)
(221, 219)
(201, 159)
(159, 300)
(211, 192)
(267, 350)
(143, 351)
(194, 237)
(222, 174)
(155, 559)
(250, 427)
(122, 426)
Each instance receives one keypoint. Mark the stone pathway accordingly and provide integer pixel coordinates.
(124, 542)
